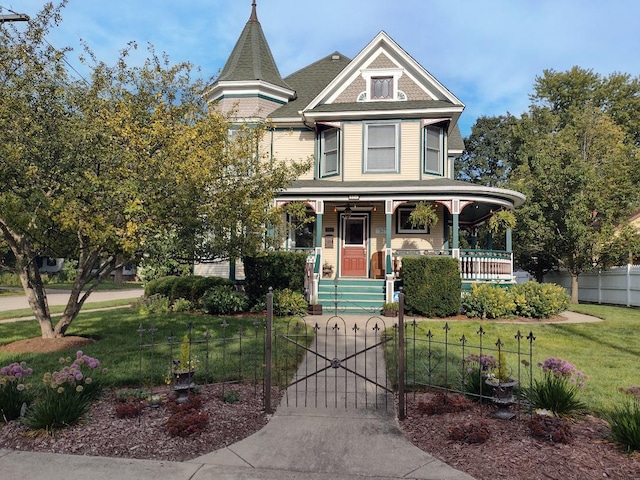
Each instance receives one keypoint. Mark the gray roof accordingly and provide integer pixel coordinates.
(309, 81)
(251, 58)
(456, 142)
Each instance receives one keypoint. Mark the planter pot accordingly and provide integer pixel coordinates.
(390, 313)
(182, 384)
(502, 397)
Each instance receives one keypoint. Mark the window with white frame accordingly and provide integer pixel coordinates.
(329, 152)
(433, 150)
(382, 147)
(404, 224)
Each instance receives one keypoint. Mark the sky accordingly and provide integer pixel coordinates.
(488, 53)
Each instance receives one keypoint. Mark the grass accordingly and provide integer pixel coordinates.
(608, 352)
(144, 359)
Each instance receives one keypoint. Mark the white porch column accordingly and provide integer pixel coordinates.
(388, 260)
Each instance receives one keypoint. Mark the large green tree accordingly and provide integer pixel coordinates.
(99, 169)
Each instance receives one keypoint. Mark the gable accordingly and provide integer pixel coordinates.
(383, 57)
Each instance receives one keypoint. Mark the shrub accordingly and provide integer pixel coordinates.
(625, 425)
(551, 428)
(287, 302)
(182, 287)
(557, 390)
(181, 305)
(202, 284)
(129, 409)
(488, 301)
(470, 432)
(224, 300)
(186, 420)
(432, 286)
(477, 367)
(444, 403)
(67, 394)
(278, 270)
(539, 300)
(14, 392)
(159, 286)
(155, 304)
(230, 396)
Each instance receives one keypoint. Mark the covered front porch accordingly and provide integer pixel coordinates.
(365, 235)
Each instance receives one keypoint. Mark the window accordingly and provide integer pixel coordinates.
(404, 224)
(381, 151)
(381, 87)
(329, 152)
(433, 157)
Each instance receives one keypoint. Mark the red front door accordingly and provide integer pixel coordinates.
(354, 246)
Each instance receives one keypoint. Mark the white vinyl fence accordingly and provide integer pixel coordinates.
(616, 286)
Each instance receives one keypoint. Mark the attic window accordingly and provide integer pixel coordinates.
(382, 85)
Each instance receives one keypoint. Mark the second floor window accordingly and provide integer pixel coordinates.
(329, 152)
(381, 147)
(433, 151)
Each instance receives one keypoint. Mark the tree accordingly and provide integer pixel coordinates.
(490, 151)
(99, 169)
(580, 178)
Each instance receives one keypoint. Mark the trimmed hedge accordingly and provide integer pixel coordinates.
(278, 270)
(432, 286)
(191, 288)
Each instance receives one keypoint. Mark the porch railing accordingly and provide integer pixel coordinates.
(474, 264)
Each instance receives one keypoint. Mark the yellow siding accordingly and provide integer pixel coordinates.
(295, 145)
(409, 153)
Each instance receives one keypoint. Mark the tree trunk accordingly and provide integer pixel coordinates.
(574, 288)
(27, 270)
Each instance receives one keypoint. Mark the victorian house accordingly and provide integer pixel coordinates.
(384, 137)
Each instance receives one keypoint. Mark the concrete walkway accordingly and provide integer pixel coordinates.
(61, 297)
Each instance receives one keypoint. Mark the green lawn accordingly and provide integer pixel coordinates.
(118, 346)
(608, 352)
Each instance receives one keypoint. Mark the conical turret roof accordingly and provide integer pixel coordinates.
(251, 58)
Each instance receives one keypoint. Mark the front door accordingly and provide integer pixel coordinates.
(354, 246)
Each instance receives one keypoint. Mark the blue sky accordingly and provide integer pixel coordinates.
(487, 52)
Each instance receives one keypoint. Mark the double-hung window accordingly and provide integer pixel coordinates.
(433, 150)
(329, 152)
(382, 147)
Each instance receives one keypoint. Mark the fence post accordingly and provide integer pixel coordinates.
(401, 393)
(628, 284)
(268, 353)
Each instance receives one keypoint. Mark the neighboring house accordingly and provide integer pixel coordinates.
(383, 135)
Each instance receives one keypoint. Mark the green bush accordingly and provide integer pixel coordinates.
(625, 425)
(531, 299)
(432, 286)
(182, 288)
(488, 301)
(9, 279)
(539, 300)
(202, 284)
(154, 304)
(277, 270)
(14, 391)
(224, 300)
(181, 305)
(160, 286)
(286, 302)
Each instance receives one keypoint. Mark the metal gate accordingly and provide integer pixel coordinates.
(337, 362)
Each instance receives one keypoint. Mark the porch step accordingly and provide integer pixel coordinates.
(352, 295)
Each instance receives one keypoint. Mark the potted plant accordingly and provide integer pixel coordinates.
(502, 385)
(183, 370)
(327, 270)
(390, 309)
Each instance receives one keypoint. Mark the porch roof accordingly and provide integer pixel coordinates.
(372, 190)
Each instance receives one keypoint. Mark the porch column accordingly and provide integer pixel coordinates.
(388, 261)
(456, 234)
(489, 241)
(445, 218)
(317, 265)
(509, 240)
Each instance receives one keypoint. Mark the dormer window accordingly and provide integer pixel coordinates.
(382, 85)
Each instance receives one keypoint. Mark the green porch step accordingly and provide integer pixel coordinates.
(352, 295)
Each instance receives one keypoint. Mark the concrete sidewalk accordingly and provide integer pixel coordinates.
(61, 297)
